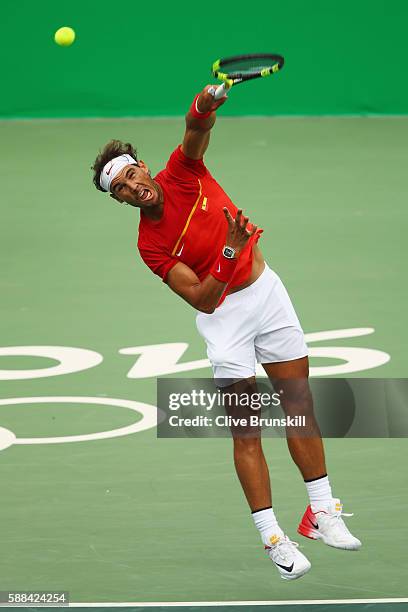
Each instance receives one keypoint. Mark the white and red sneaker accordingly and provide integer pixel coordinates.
(326, 524)
(290, 563)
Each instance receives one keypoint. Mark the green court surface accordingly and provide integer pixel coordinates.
(137, 519)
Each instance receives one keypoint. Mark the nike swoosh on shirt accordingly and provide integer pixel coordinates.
(287, 569)
(179, 253)
(219, 268)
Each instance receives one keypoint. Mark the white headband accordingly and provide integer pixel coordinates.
(112, 169)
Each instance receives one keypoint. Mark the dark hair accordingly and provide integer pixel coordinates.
(114, 148)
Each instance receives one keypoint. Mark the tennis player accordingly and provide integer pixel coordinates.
(206, 250)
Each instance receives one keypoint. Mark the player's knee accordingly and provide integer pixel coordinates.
(300, 406)
(297, 399)
(247, 446)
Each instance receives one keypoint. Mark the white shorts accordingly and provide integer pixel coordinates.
(256, 324)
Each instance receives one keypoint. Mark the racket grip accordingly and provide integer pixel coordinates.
(219, 92)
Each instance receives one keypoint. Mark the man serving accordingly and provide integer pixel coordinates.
(198, 242)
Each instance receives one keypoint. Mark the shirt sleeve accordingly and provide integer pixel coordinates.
(159, 262)
(184, 168)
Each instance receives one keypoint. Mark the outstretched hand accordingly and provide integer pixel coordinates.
(238, 234)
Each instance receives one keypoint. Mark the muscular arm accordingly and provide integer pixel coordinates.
(197, 134)
(203, 296)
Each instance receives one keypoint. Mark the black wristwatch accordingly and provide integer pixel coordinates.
(228, 252)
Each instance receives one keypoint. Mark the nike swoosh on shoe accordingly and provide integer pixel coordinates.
(287, 569)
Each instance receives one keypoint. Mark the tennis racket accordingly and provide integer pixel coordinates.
(241, 68)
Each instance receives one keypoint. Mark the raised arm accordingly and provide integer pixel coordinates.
(199, 121)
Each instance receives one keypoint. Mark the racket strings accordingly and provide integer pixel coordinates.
(245, 67)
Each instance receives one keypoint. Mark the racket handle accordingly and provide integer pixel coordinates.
(219, 92)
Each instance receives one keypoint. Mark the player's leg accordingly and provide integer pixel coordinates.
(249, 459)
(229, 334)
(305, 443)
(253, 474)
(280, 347)
(322, 519)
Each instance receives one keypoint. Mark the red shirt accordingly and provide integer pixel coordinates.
(193, 227)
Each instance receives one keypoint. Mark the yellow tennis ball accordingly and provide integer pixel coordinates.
(64, 37)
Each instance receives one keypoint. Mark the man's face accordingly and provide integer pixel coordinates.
(134, 186)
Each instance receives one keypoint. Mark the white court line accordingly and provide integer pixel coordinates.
(298, 602)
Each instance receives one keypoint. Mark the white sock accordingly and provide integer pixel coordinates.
(267, 525)
(320, 493)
